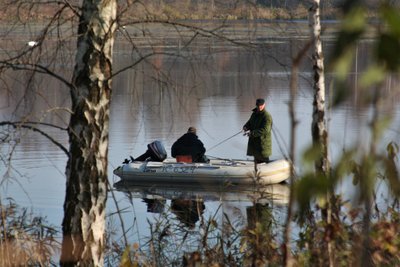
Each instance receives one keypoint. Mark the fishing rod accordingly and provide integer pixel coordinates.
(223, 141)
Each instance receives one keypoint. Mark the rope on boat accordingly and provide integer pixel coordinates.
(233, 161)
(278, 136)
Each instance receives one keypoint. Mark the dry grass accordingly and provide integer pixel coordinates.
(25, 252)
(25, 240)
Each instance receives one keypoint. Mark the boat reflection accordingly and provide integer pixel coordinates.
(155, 205)
(155, 194)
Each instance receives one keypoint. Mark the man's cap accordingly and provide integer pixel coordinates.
(192, 130)
(260, 102)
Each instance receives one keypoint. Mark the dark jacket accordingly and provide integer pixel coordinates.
(189, 144)
(260, 126)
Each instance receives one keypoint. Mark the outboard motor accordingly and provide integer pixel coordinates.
(158, 149)
(155, 152)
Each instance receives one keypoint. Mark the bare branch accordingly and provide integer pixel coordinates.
(142, 58)
(35, 129)
(198, 30)
(37, 68)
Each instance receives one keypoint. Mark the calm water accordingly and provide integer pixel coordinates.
(211, 86)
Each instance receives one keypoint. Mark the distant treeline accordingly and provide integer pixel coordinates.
(186, 9)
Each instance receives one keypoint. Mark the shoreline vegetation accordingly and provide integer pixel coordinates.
(185, 10)
(235, 20)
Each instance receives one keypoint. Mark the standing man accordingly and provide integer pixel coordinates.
(258, 128)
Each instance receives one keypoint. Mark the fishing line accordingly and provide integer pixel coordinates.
(223, 141)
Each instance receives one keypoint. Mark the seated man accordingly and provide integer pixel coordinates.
(189, 145)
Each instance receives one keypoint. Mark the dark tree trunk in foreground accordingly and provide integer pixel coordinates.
(86, 189)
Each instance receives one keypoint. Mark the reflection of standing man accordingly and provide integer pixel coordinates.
(262, 214)
(258, 128)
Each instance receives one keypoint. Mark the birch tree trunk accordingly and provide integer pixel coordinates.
(318, 126)
(86, 187)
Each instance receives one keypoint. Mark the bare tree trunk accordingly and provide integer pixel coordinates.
(318, 126)
(86, 188)
(287, 253)
(319, 133)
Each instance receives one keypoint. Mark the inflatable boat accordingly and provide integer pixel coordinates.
(216, 171)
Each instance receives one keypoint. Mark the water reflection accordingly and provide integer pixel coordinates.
(188, 211)
(183, 214)
(276, 193)
(187, 201)
(155, 205)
